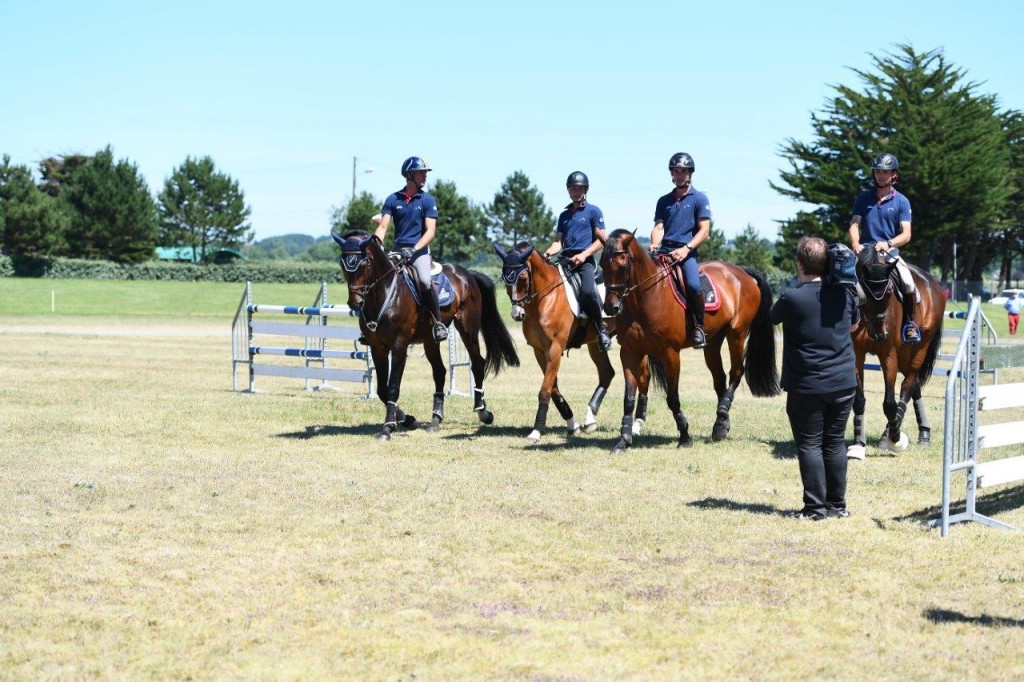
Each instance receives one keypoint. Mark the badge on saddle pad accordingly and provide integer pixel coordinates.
(571, 282)
(708, 289)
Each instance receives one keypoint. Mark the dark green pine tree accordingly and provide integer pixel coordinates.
(461, 226)
(356, 215)
(113, 216)
(202, 208)
(518, 212)
(953, 158)
(32, 223)
(1010, 242)
(752, 250)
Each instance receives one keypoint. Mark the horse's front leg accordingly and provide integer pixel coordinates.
(670, 360)
(439, 371)
(392, 415)
(893, 441)
(859, 448)
(549, 360)
(605, 374)
(632, 367)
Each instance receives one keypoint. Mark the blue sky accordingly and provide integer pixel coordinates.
(282, 96)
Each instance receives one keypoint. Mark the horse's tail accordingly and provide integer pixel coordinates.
(925, 373)
(760, 365)
(501, 349)
(658, 372)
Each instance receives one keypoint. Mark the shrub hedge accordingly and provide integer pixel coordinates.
(283, 272)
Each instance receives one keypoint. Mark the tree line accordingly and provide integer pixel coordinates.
(962, 166)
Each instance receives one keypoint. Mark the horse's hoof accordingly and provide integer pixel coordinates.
(534, 437)
(590, 428)
(637, 425)
(433, 427)
(924, 438)
(384, 437)
(685, 442)
(620, 448)
(857, 451)
(886, 444)
(719, 433)
(486, 416)
(409, 423)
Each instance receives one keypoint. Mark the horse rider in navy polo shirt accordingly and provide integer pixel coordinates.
(881, 220)
(579, 235)
(682, 221)
(414, 213)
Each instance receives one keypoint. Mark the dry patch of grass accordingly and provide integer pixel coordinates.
(159, 525)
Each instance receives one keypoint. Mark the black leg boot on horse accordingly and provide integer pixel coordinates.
(695, 307)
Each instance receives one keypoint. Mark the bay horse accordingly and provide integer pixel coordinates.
(391, 319)
(638, 290)
(879, 332)
(536, 289)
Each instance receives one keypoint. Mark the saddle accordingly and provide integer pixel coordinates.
(708, 288)
(571, 282)
(442, 285)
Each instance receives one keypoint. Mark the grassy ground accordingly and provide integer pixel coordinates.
(157, 525)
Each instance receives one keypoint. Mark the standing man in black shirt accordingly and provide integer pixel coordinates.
(819, 375)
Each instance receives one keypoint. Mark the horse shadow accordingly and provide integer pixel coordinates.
(319, 430)
(732, 505)
(939, 616)
(783, 449)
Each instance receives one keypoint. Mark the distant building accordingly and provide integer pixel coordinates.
(186, 254)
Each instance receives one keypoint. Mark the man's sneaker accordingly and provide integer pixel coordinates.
(699, 341)
(838, 513)
(804, 515)
(440, 332)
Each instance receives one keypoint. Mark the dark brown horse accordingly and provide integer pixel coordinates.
(638, 290)
(391, 320)
(537, 291)
(879, 332)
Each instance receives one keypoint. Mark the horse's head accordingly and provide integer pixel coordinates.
(516, 273)
(876, 279)
(618, 263)
(358, 256)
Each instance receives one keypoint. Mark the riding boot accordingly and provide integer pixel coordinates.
(911, 332)
(695, 302)
(604, 339)
(440, 330)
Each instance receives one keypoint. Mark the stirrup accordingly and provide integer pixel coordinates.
(908, 328)
(440, 332)
(699, 339)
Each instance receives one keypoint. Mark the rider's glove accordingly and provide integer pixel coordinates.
(407, 253)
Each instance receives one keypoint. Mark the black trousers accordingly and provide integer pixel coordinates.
(589, 300)
(819, 429)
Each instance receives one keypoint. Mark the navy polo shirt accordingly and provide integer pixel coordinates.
(409, 214)
(880, 218)
(680, 215)
(577, 228)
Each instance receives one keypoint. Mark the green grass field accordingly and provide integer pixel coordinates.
(158, 525)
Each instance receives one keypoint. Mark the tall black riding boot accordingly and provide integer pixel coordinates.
(604, 339)
(695, 302)
(430, 299)
(912, 333)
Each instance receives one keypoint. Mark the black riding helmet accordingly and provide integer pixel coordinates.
(681, 160)
(577, 178)
(885, 162)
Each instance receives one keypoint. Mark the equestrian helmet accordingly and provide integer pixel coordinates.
(577, 178)
(681, 160)
(886, 162)
(414, 163)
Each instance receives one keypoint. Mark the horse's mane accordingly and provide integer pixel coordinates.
(360, 234)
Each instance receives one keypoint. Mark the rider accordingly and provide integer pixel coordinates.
(414, 213)
(884, 214)
(579, 235)
(682, 221)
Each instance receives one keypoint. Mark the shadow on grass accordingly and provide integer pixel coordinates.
(732, 505)
(317, 430)
(783, 449)
(991, 504)
(946, 616)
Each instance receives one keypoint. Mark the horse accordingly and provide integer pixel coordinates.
(536, 289)
(638, 290)
(391, 319)
(879, 332)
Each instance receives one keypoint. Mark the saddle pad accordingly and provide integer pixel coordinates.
(712, 299)
(571, 282)
(442, 285)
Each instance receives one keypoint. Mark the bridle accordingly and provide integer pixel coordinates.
(353, 261)
(511, 274)
(624, 290)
